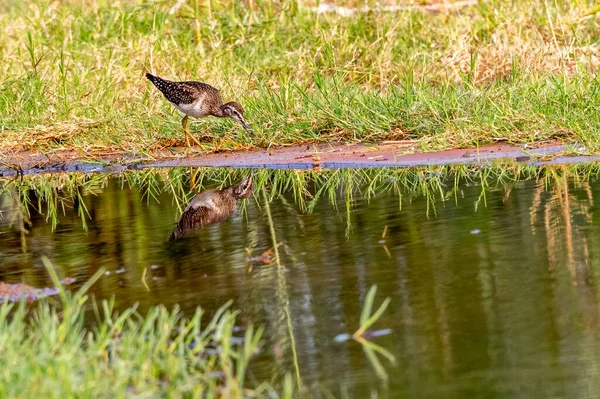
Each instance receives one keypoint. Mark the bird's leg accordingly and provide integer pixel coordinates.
(184, 124)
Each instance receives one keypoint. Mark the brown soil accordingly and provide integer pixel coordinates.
(386, 154)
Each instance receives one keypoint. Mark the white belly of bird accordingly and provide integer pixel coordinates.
(195, 109)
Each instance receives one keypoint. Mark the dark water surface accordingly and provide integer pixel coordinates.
(494, 291)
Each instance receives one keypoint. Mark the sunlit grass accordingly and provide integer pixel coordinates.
(56, 351)
(72, 73)
(74, 346)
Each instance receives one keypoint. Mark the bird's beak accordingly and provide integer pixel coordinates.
(246, 126)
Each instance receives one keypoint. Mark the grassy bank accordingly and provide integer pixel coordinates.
(49, 352)
(72, 73)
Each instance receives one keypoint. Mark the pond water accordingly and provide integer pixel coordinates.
(493, 276)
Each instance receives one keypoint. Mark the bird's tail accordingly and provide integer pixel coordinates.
(177, 232)
(174, 235)
(152, 78)
(165, 86)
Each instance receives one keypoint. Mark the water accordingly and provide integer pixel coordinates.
(494, 292)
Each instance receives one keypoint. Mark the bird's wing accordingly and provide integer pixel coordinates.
(204, 210)
(198, 217)
(183, 92)
(199, 87)
(180, 93)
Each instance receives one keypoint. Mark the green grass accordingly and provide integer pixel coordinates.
(51, 195)
(76, 347)
(72, 73)
(56, 351)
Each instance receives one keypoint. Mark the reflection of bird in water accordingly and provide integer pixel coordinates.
(211, 207)
(197, 99)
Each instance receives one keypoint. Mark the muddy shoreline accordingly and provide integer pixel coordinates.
(327, 156)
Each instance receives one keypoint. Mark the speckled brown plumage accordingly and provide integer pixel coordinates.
(197, 99)
(211, 207)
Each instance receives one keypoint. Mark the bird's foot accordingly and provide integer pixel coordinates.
(188, 135)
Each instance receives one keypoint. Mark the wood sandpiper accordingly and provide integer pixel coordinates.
(212, 207)
(197, 99)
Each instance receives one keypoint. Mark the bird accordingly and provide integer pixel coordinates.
(197, 99)
(211, 207)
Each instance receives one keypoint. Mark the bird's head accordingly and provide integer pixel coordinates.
(244, 188)
(235, 111)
